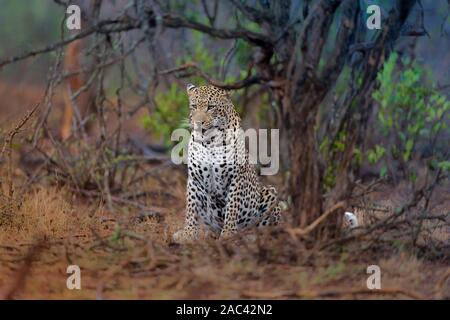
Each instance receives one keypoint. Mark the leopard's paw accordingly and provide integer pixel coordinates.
(225, 234)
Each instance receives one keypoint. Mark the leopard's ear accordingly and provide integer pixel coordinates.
(190, 88)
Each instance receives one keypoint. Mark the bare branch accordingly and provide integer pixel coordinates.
(252, 13)
(344, 37)
(174, 21)
(248, 81)
(105, 26)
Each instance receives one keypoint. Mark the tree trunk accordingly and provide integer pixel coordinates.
(305, 177)
(306, 87)
(305, 90)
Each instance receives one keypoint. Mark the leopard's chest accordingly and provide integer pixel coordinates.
(211, 168)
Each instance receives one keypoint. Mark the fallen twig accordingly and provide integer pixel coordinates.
(294, 232)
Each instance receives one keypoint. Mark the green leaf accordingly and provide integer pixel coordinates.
(444, 165)
(383, 172)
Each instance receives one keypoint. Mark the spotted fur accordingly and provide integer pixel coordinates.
(223, 191)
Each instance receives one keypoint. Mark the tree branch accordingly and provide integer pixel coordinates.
(344, 37)
(248, 81)
(175, 21)
(252, 13)
(105, 26)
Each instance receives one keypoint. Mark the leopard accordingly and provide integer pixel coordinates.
(224, 194)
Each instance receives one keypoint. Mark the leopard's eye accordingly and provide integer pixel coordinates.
(193, 106)
(210, 107)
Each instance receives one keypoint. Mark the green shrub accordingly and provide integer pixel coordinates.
(171, 113)
(411, 112)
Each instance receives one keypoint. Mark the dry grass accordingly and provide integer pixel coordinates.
(47, 213)
(122, 257)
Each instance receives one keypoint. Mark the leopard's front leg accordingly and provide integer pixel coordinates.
(232, 209)
(191, 227)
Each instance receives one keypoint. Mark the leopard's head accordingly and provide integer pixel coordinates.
(210, 108)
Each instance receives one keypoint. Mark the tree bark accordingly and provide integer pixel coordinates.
(304, 92)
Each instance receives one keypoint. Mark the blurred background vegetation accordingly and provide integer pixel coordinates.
(412, 98)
